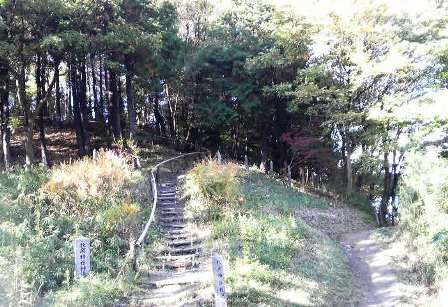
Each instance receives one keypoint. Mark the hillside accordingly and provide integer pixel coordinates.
(280, 243)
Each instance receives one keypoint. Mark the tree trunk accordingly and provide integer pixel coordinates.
(114, 105)
(160, 121)
(40, 84)
(77, 111)
(4, 113)
(97, 110)
(85, 112)
(58, 93)
(101, 101)
(130, 102)
(386, 191)
(29, 122)
(348, 167)
(69, 112)
(171, 111)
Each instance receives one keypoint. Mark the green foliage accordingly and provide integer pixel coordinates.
(274, 257)
(95, 290)
(44, 211)
(424, 214)
(213, 188)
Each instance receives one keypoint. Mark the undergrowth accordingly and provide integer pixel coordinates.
(43, 211)
(274, 257)
(424, 218)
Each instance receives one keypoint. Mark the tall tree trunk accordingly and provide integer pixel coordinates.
(85, 111)
(97, 111)
(29, 122)
(130, 100)
(40, 84)
(4, 113)
(386, 191)
(160, 121)
(121, 106)
(114, 105)
(69, 112)
(170, 117)
(75, 80)
(101, 101)
(58, 93)
(348, 167)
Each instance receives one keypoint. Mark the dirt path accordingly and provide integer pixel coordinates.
(371, 264)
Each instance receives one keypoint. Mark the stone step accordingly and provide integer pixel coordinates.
(191, 277)
(168, 185)
(178, 265)
(166, 197)
(177, 257)
(171, 215)
(175, 231)
(169, 219)
(171, 238)
(167, 213)
(168, 295)
(185, 250)
(184, 242)
(166, 201)
(167, 193)
(170, 226)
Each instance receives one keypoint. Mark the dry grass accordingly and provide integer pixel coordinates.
(109, 173)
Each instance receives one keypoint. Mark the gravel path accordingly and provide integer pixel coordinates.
(371, 264)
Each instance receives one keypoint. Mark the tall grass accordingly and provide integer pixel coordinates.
(213, 188)
(42, 212)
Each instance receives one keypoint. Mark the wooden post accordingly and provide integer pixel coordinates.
(136, 162)
(289, 175)
(218, 157)
(246, 162)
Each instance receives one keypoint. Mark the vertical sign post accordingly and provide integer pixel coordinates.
(82, 257)
(271, 166)
(246, 162)
(220, 288)
(218, 157)
(289, 175)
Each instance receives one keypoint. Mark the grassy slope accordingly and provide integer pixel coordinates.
(17, 190)
(276, 257)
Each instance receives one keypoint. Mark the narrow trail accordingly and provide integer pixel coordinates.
(372, 266)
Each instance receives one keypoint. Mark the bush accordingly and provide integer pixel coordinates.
(424, 214)
(42, 213)
(95, 290)
(213, 189)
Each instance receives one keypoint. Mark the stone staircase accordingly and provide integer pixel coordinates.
(181, 270)
(183, 246)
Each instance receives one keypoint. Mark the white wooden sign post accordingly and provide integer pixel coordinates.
(82, 257)
(218, 157)
(220, 287)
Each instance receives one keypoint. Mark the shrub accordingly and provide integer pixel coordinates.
(100, 199)
(424, 214)
(95, 290)
(213, 188)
